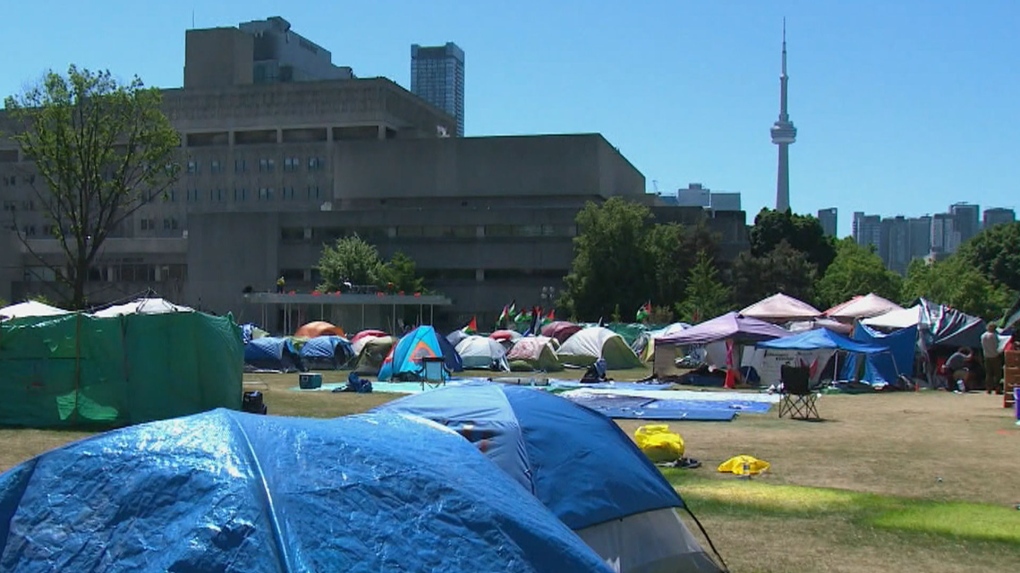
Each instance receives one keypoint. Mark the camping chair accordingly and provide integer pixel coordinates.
(796, 398)
(433, 372)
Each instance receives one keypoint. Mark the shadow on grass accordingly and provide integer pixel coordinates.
(974, 521)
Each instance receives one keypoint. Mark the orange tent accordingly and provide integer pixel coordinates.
(318, 328)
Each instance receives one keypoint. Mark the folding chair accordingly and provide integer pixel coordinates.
(796, 398)
(433, 372)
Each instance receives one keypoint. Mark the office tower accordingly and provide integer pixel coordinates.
(945, 239)
(920, 236)
(783, 135)
(966, 220)
(828, 219)
(998, 216)
(867, 230)
(437, 76)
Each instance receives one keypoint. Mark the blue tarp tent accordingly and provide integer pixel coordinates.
(329, 351)
(822, 338)
(579, 463)
(884, 368)
(404, 360)
(272, 353)
(233, 492)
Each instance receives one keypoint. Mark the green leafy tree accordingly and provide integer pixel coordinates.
(783, 269)
(995, 252)
(350, 259)
(706, 296)
(802, 232)
(100, 149)
(857, 270)
(956, 283)
(611, 263)
(673, 250)
(399, 272)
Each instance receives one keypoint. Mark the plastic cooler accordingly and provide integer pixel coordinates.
(310, 380)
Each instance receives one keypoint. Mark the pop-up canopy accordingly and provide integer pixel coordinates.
(781, 308)
(731, 325)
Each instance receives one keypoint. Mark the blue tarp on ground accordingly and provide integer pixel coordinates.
(821, 338)
(623, 407)
(326, 351)
(233, 492)
(883, 368)
(404, 360)
(576, 461)
(272, 353)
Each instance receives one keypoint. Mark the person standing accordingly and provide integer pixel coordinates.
(993, 360)
(280, 283)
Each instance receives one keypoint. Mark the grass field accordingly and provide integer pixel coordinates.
(899, 482)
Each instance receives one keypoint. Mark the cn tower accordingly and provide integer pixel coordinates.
(783, 134)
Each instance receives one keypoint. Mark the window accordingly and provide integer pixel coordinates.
(28, 230)
(313, 191)
(170, 195)
(28, 205)
(292, 233)
(287, 192)
(314, 163)
(216, 194)
(148, 224)
(10, 205)
(214, 166)
(193, 195)
(29, 179)
(192, 167)
(170, 224)
(50, 230)
(291, 163)
(293, 274)
(10, 181)
(267, 165)
(240, 166)
(240, 194)
(265, 193)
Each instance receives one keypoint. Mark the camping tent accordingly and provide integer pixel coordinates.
(30, 308)
(781, 308)
(813, 347)
(250, 332)
(80, 370)
(326, 352)
(561, 330)
(895, 319)
(617, 500)
(228, 491)
(143, 306)
(456, 336)
(814, 323)
(273, 353)
(644, 347)
(945, 326)
(885, 368)
(537, 352)
(482, 352)
(588, 345)
(729, 326)
(318, 328)
(404, 360)
(373, 352)
(861, 307)
(365, 334)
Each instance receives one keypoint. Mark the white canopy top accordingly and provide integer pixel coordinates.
(863, 307)
(782, 308)
(30, 308)
(143, 306)
(902, 318)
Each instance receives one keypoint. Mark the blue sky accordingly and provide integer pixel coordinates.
(902, 107)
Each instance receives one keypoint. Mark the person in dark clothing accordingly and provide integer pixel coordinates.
(957, 368)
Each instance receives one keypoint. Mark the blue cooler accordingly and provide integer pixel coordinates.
(1016, 403)
(310, 381)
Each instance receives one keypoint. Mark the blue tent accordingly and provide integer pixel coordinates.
(234, 492)
(326, 352)
(579, 463)
(404, 361)
(272, 353)
(885, 368)
(822, 338)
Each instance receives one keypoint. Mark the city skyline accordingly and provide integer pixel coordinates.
(872, 83)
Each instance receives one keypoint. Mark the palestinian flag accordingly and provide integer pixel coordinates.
(471, 327)
(644, 312)
(508, 312)
(551, 317)
(524, 317)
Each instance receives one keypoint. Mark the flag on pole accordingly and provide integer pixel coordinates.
(644, 312)
(508, 312)
(471, 327)
(550, 317)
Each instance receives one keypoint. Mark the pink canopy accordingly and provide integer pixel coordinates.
(865, 306)
(728, 326)
(781, 308)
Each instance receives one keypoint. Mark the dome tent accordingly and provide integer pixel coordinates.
(617, 500)
(536, 352)
(590, 344)
(318, 328)
(30, 308)
(481, 352)
(232, 492)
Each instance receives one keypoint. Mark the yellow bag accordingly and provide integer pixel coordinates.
(744, 465)
(658, 443)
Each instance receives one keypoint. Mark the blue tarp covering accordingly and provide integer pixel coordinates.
(272, 353)
(884, 368)
(322, 351)
(404, 360)
(820, 338)
(233, 492)
(579, 463)
(639, 408)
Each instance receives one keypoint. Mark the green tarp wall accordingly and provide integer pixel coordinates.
(78, 370)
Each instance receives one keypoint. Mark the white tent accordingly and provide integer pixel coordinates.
(781, 308)
(30, 308)
(482, 352)
(895, 319)
(588, 345)
(861, 307)
(142, 306)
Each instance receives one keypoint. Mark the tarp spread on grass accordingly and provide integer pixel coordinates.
(80, 370)
(232, 492)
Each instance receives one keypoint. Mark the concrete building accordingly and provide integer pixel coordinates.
(697, 195)
(867, 230)
(827, 218)
(945, 238)
(966, 220)
(998, 216)
(920, 236)
(437, 76)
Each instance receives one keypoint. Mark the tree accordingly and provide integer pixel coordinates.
(783, 269)
(857, 270)
(611, 262)
(350, 259)
(399, 271)
(101, 149)
(956, 283)
(995, 252)
(803, 232)
(673, 250)
(706, 297)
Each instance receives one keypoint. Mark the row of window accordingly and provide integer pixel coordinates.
(312, 275)
(330, 234)
(241, 194)
(265, 165)
(142, 273)
(12, 180)
(149, 224)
